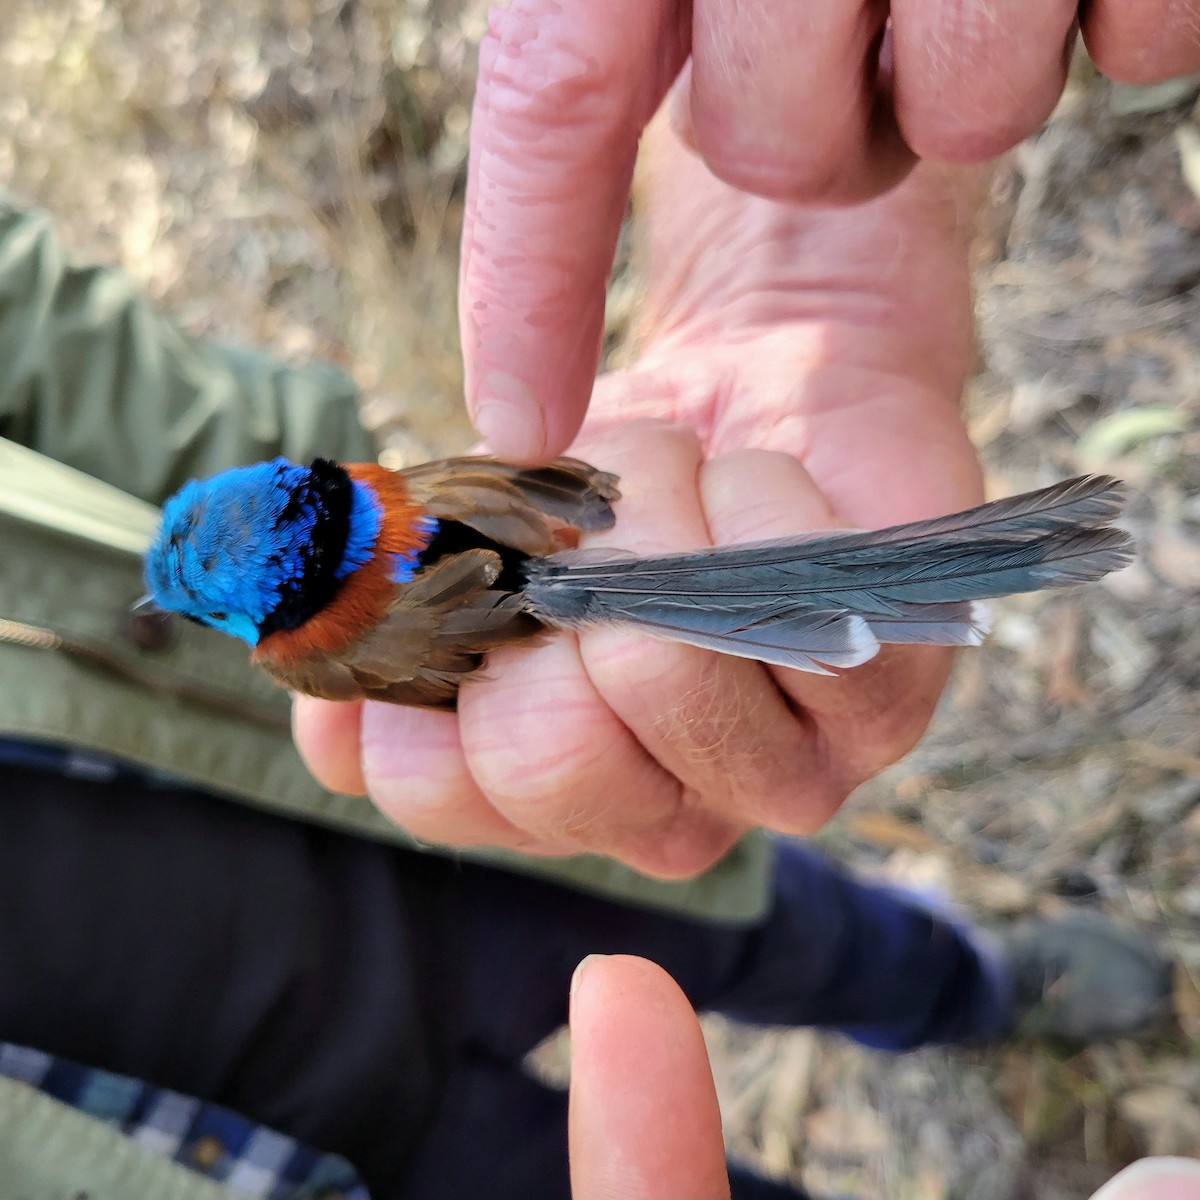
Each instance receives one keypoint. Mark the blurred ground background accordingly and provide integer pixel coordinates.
(290, 173)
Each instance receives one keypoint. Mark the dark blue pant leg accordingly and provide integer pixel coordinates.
(832, 951)
(864, 959)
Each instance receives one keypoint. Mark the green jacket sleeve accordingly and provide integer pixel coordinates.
(91, 374)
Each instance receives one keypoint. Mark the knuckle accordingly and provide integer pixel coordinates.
(909, 681)
(806, 808)
(404, 806)
(675, 697)
(690, 843)
(541, 755)
(421, 803)
(700, 723)
(716, 723)
(711, 723)
(546, 783)
(880, 713)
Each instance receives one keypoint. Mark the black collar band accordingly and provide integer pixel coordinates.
(327, 492)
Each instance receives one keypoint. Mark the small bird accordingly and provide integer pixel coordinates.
(355, 581)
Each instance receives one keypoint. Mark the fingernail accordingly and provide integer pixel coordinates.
(577, 977)
(508, 418)
(1154, 1179)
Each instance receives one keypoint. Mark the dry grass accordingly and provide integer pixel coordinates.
(291, 173)
(272, 172)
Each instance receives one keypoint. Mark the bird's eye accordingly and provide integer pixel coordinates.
(216, 616)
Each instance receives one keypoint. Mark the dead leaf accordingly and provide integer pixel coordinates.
(1185, 1000)
(1165, 1118)
(847, 1132)
(891, 832)
(1187, 142)
(1175, 556)
(1063, 687)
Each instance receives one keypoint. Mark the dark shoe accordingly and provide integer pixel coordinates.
(1084, 976)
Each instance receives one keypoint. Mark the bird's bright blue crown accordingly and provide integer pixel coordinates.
(260, 548)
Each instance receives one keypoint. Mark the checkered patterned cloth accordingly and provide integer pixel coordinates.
(206, 1138)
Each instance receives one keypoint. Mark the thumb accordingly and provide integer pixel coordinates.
(644, 1121)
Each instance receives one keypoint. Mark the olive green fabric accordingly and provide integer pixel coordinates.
(50, 1151)
(92, 375)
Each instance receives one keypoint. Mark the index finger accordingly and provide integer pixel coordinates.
(564, 91)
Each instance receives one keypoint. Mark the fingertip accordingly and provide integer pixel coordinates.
(509, 418)
(615, 986)
(1142, 44)
(946, 132)
(327, 735)
(532, 422)
(577, 983)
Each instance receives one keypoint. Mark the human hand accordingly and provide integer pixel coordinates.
(811, 362)
(781, 100)
(644, 1120)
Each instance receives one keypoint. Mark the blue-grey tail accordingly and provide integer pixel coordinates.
(829, 600)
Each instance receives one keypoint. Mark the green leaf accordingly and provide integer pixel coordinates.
(1115, 435)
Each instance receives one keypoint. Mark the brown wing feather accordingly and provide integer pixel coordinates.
(437, 630)
(515, 506)
(322, 677)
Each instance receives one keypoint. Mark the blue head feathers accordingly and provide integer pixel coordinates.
(260, 548)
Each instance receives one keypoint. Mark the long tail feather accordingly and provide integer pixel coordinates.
(829, 600)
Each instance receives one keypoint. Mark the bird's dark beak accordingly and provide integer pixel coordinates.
(148, 626)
